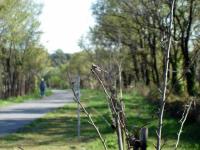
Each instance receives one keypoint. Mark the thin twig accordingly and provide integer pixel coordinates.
(164, 89)
(93, 69)
(20, 148)
(101, 82)
(183, 119)
(86, 113)
(107, 122)
(105, 90)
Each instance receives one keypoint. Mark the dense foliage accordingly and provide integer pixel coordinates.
(22, 58)
(56, 76)
(131, 36)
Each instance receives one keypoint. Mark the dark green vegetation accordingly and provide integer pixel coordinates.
(23, 60)
(129, 41)
(57, 130)
(132, 37)
(56, 77)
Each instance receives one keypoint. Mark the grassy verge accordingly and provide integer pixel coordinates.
(20, 99)
(57, 130)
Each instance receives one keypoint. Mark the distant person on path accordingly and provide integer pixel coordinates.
(42, 87)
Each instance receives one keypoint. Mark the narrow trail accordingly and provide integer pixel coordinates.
(14, 117)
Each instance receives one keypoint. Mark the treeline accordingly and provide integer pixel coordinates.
(22, 57)
(129, 40)
(130, 36)
(57, 76)
(77, 63)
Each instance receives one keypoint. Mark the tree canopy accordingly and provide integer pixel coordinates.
(22, 57)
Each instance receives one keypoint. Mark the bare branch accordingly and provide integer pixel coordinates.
(120, 123)
(106, 121)
(182, 121)
(86, 113)
(164, 89)
(93, 69)
(20, 148)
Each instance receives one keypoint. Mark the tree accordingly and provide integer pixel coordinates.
(59, 57)
(19, 47)
(186, 18)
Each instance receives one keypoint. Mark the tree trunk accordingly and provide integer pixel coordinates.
(188, 68)
(152, 45)
(135, 63)
(185, 38)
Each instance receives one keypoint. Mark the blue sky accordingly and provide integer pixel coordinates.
(64, 22)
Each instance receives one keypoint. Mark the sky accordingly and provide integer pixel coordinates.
(63, 22)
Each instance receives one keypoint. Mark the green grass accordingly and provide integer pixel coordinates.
(57, 130)
(20, 99)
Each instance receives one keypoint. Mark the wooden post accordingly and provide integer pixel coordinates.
(78, 107)
(122, 116)
(116, 111)
(143, 138)
(119, 132)
(77, 92)
(139, 140)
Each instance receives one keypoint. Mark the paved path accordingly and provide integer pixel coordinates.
(14, 117)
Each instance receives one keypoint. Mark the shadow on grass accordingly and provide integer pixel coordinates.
(144, 112)
(139, 112)
(57, 128)
(60, 127)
